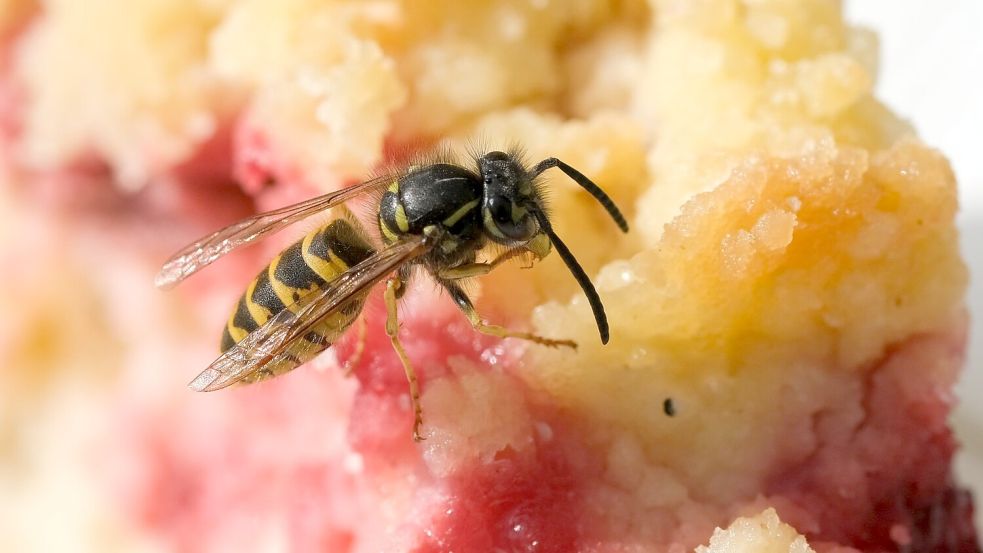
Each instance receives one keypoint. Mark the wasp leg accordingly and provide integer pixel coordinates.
(392, 329)
(469, 270)
(356, 356)
(464, 303)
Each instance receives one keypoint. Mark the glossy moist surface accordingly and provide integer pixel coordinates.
(786, 314)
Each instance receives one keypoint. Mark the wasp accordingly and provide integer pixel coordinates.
(438, 215)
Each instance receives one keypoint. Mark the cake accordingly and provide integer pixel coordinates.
(787, 316)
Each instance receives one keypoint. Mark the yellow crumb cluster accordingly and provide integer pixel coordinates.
(790, 235)
(141, 84)
(123, 81)
(763, 533)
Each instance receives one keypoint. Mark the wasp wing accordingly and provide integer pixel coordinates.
(274, 341)
(202, 253)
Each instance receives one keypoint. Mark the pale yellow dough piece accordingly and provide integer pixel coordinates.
(763, 533)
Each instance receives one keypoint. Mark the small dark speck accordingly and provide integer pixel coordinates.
(668, 407)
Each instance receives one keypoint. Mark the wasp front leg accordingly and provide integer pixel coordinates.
(393, 286)
(471, 270)
(464, 303)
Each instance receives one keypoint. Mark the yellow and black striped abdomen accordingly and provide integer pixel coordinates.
(319, 257)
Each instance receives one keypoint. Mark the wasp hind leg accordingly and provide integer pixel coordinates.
(464, 303)
(393, 286)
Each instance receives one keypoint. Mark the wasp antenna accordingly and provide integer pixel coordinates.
(578, 273)
(587, 185)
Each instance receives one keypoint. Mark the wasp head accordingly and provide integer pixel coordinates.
(508, 189)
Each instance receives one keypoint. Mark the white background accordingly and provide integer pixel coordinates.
(931, 73)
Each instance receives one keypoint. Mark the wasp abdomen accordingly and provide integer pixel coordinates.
(306, 266)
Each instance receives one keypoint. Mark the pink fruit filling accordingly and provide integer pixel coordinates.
(883, 480)
(876, 480)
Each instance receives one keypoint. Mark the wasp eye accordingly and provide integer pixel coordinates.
(503, 217)
(501, 210)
